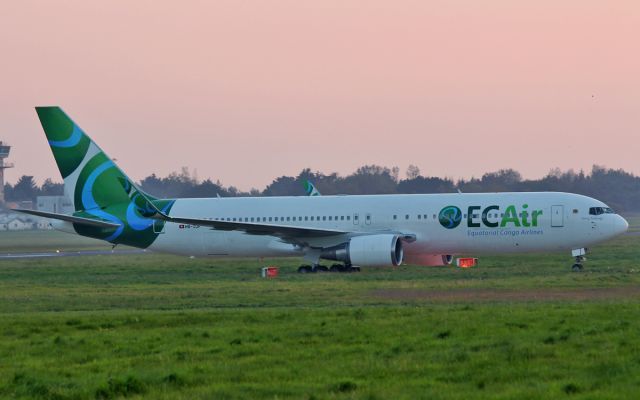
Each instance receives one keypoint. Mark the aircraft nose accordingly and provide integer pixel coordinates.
(620, 225)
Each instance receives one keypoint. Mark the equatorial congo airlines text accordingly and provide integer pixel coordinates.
(514, 223)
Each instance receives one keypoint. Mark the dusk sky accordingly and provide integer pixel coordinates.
(246, 91)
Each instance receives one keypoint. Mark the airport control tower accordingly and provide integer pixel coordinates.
(4, 153)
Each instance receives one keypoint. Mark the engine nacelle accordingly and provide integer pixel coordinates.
(428, 260)
(368, 251)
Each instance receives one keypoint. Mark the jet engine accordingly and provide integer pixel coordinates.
(428, 260)
(384, 250)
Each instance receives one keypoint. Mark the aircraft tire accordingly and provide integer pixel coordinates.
(321, 268)
(304, 269)
(576, 267)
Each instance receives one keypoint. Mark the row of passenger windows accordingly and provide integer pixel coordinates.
(291, 219)
(337, 218)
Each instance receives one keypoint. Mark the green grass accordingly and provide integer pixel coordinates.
(164, 327)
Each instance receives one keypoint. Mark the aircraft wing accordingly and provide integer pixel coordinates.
(70, 218)
(291, 234)
(254, 228)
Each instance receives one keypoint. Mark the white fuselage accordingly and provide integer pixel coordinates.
(495, 223)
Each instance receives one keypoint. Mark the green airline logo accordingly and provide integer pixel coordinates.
(491, 217)
(450, 217)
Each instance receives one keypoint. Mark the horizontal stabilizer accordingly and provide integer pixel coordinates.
(70, 218)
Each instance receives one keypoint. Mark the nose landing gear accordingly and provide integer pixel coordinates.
(579, 256)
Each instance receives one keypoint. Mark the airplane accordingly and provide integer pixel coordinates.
(352, 231)
(311, 189)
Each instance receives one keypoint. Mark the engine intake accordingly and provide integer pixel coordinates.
(368, 251)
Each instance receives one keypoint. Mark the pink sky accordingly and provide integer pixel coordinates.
(245, 91)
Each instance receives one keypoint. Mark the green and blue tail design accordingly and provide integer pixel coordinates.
(310, 189)
(97, 187)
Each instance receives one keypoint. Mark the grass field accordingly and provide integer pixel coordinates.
(164, 327)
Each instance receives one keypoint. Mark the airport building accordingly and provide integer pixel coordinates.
(54, 204)
(13, 222)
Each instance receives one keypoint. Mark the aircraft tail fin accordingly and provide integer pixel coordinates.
(91, 178)
(107, 204)
(311, 189)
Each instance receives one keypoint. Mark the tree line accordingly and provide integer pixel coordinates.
(617, 188)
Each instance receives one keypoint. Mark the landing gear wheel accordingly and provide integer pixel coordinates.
(579, 259)
(336, 268)
(350, 269)
(304, 269)
(320, 268)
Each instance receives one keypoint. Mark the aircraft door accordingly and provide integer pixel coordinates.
(356, 219)
(158, 226)
(557, 216)
(367, 219)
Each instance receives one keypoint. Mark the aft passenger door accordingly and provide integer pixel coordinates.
(557, 216)
(158, 226)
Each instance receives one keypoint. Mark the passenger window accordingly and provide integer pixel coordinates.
(287, 218)
(342, 218)
(306, 218)
(406, 216)
(395, 217)
(348, 217)
(324, 218)
(329, 217)
(419, 216)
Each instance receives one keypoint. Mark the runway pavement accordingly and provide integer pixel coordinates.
(11, 256)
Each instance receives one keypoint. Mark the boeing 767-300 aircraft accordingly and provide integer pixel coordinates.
(364, 231)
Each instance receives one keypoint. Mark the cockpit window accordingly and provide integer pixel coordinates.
(600, 210)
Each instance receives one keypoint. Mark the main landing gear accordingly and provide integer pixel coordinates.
(308, 269)
(579, 256)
